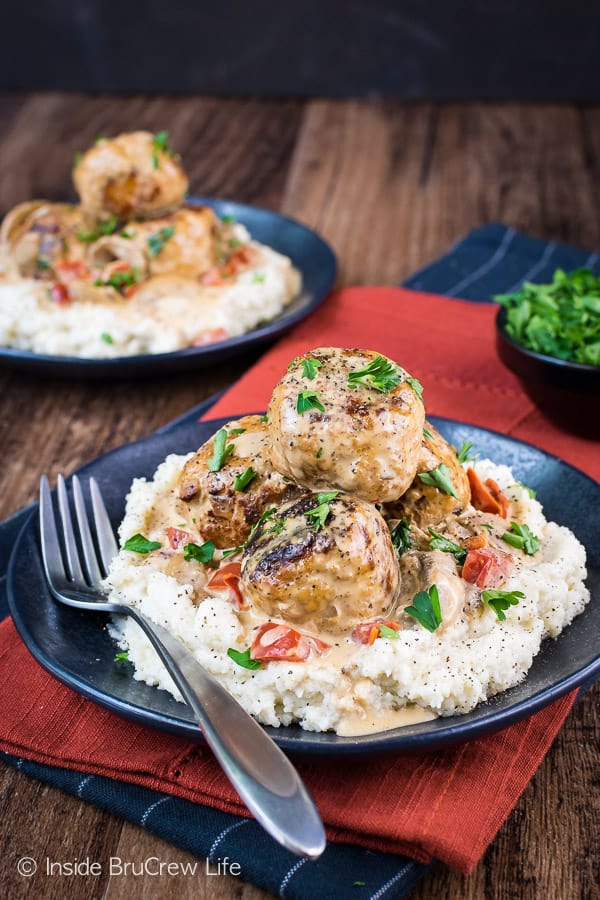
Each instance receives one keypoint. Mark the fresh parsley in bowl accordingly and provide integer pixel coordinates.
(549, 334)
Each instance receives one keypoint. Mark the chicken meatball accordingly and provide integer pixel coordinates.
(226, 502)
(35, 236)
(425, 503)
(324, 561)
(349, 419)
(133, 175)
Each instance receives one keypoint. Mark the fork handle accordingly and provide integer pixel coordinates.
(260, 772)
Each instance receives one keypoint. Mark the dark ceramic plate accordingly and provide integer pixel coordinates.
(75, 647)
(309, 253)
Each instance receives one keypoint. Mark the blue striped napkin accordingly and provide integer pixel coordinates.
(489, 260)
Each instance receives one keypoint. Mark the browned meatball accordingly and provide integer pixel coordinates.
(130, 176)
(333, 428)
(223, 514)
(427, 504)
(323, 564)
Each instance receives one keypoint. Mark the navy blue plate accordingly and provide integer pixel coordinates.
(310, 254)
(75, 647)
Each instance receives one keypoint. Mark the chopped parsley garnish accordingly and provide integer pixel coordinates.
(202, 553)
(276, 528)
(242, 482)
(487, 526)
(439, 542)
(308, 400)
(358, 883)
(107, 338)
(265, 418)
(233, 550)
(42, 264)
(234, 431)
(258, 277)
(157, 241)
(137, 543)
(427, 434)
(320, 513)
(100, 139)
(386, 632)
(415, 385)
(426, 608)
(160, 144)
(123, 656)
(103, 229)
(228, 220)
(529, 490)
(319, 453)
(221, 451)
(309, 367)
(120, 280)
(521, 537)
(128, 235)
(440, 478)
(234, 243)
(561, 319)
(401, 537)
(464, 455)
(380, 374)
(501, 600)
(243, 658)
(77, 159)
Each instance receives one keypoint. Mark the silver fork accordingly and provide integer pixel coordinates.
(259, 771)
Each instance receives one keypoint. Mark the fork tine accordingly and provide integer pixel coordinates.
(51, 552)
(107, 544)
(87, 544)
(71, 552)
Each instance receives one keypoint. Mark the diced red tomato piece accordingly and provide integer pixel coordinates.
(178, 538)
(70, 270)
(487, 497)
(487, 567)
(275, 641)
(210, 336)
(60, 293)
(227, 579)
(368, 632)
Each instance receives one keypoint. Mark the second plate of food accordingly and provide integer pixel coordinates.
(76, 647)
(309, 254)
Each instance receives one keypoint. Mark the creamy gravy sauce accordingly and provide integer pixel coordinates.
(373, 721)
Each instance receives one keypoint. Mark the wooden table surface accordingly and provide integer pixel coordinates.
(391, 186)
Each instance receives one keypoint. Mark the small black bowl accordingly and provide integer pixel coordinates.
(565, 391)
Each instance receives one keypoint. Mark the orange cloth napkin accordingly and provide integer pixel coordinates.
(446, 804)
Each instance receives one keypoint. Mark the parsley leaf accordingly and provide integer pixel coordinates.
(385, 631)
(319, 453)
(242, 482)
(439, 542)
(464, 454)
(101, 230)
(202, 553)
(320, 513)
(440, 478)
(308, 400)
(401, 537)
(380, 374)
(415, 385)
(521, 537)
(120, 280)
(427, 434)
(157, 241)
(77, 159)
(235, 431)
(243, 658)
(107, 338)
(122, 657)
(501, 600)
(309, 367)
(258, 277)
(529, 490)
(127, 235)
(426, 608)
(42, 264)
(137, 543)
(221, 453)
(234, 243)
(160, 144)
(228, 220)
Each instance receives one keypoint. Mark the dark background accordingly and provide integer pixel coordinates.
(439, 49)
